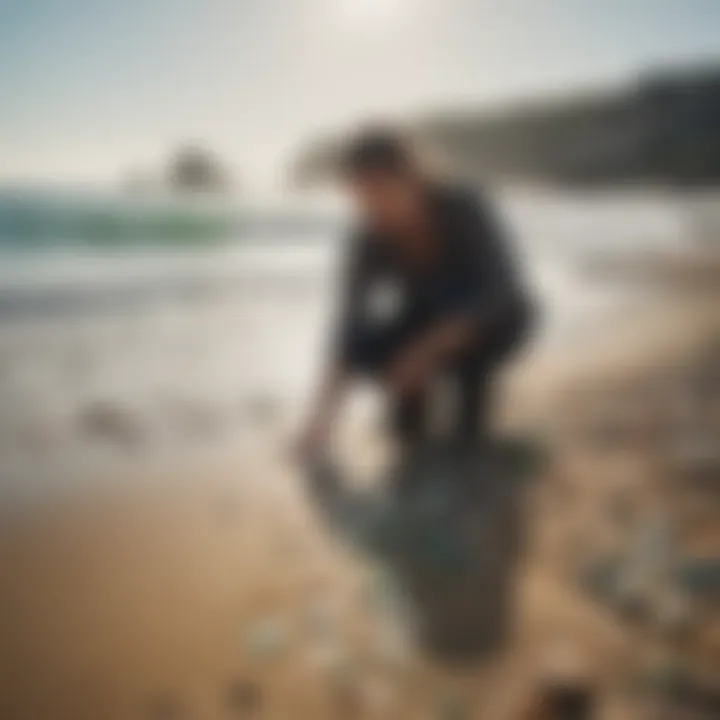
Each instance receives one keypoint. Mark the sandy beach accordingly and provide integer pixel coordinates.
(216, 593)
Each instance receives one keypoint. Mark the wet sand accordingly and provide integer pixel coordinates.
(218, 595)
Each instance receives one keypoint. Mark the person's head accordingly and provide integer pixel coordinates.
(381, 169)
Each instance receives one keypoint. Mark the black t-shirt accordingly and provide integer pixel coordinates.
(385, 301)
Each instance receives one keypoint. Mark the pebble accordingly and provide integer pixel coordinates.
(109, 421)
(600, 578)
(661, 676)
(569, 701)
(700, 576)
(673, 612)
(452, 706)
(165, 707)
(244, 698)
(267, 638)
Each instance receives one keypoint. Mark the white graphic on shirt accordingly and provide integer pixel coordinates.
(383, 301)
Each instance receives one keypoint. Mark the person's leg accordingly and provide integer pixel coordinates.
(474, 382)
(408, 419)
(473, 372)
(476, 373)
(470, 376)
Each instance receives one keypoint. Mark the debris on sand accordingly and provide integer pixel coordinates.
(700, 576)
(166, 707)
(673, 612)
(566, 687)
(244, 698)
(111, 422)
(695, 457)
(567, 700)
(680, 694)
(452, 706)
(267, 638)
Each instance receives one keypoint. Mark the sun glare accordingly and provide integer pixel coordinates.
(368, 11)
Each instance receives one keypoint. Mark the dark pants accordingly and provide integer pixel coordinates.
(470, 384)
(472, 375)
(472, 372)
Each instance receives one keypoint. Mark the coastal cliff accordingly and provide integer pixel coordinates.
(661, 128)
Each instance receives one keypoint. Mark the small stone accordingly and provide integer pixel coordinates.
(673, 612)
(568, 701)
(600, 578)
(524, 458)
(647, 565)
(111, 422)
(697, 458)
(452, 707)
(700, 576)
(165, 707)
(244, 698)
(661, 676)
(566, 688)
(266, 638)
(632, 598)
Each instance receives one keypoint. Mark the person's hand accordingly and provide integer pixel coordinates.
(409, 372)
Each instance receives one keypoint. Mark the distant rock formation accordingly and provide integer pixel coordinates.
(192, 169)
(663, 128)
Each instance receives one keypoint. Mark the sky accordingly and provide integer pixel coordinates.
(90, 89)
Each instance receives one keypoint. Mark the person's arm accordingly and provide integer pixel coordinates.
(325, 408)
(333, 385)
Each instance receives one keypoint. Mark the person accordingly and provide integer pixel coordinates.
(430, 290)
